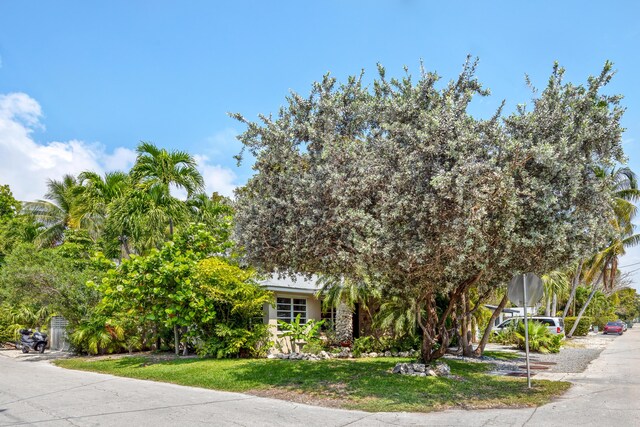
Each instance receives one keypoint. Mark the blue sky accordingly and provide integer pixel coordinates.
(82, 82)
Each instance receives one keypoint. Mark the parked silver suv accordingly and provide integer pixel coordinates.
(554, 324)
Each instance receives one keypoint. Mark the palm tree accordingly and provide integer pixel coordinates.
(555, 283)
(157, 168)
(208, 210)
(139, 218)
(56, 213)
(399, 315)
(604, 265)
(343, 294)
(97, 192)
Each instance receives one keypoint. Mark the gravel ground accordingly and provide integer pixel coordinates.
(576, 354)
(574, 357)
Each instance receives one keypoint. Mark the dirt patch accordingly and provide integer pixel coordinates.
(150, 357)
(299, 396)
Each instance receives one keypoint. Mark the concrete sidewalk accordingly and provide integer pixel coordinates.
(37, 393)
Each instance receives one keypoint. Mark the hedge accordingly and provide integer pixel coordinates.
(600, 321)
(583, 326)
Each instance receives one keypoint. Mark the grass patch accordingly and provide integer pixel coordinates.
(365, 384)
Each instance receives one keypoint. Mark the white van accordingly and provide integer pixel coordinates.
(554, 324)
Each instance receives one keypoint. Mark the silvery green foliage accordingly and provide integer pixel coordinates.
(397, 179)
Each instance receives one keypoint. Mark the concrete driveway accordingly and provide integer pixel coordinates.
(37, 393)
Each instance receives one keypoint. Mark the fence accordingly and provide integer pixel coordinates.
(58, 339)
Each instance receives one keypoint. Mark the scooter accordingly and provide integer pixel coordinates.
(35, 341)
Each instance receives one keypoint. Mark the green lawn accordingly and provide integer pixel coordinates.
(365, 384)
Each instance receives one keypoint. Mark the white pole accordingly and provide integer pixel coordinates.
(526, 328)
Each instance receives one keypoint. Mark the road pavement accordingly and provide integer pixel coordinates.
(38, 393)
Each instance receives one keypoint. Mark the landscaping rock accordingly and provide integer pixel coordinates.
(345, 353)
(421, 370)
(387, 353)
(442, 369)
(419, 367)
(401, 368)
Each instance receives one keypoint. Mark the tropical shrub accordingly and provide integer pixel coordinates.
(230, 307)
(367, 344)
(183, 289)
(98, 335)
(23, 316)
(314, 346)
(227, 341)
(506, 336)
(540, 339)
(297, 331)
(583, 326)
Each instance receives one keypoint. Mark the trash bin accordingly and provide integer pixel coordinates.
(595, 328)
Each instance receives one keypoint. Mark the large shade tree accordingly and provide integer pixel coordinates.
(398, 180)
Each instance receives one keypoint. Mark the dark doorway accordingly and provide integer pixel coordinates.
(356, 321)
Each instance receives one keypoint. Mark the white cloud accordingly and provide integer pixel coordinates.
(26, 164)
(219, 179)
(121, 159)
(216, 179)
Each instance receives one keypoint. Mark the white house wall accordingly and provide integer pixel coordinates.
(314, 311)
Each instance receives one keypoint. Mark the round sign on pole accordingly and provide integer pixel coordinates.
(525, 290)
(535, 290)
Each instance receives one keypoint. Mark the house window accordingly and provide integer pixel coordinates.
(329, 317)
(289, 308)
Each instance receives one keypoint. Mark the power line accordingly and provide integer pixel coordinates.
(630, 265)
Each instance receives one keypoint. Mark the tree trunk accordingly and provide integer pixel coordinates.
(428, 329)
(124, 241)
(434, 331)
(434, 327)
(176, 339)
(574, 286)
(547, 309)
(457, 335)
(584, 307)
(554, 305)
(171, 228)
(344, 324)
(156, 333)
(467, 347)
(185, 350)
(487, 332)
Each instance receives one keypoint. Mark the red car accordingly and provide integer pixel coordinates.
(613, 328)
